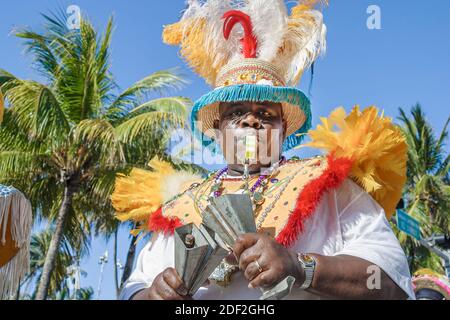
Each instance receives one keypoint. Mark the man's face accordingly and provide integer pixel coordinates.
(239, 120)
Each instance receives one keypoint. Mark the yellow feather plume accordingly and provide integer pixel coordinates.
(307, 5)
(304, 40)
(143, 192)
(190, 34)
(375, 145)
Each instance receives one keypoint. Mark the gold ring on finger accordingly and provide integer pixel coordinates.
(260, 269)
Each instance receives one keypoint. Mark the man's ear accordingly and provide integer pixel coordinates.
(216, 124)
(284, 129)
(216, 127)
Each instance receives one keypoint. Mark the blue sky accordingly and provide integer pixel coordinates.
(406, 62)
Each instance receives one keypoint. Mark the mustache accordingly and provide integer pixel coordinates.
(235, 121)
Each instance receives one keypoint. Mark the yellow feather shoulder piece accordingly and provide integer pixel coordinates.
(143, 192)
(376, 146)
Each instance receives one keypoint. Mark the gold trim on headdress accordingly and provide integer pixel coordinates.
(250, 71)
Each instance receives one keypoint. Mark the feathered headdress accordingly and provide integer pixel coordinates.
(250, 50)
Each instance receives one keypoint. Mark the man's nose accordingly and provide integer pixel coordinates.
(250, 121)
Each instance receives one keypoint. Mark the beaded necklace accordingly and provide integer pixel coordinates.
(214, 184)
(256, 192)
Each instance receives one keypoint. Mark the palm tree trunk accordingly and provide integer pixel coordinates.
(50, 258)
(130, 260)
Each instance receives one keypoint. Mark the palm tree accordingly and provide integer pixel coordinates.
(39, 245)
(427, 188)
(85, 294)
(81, 294)
(63, 141)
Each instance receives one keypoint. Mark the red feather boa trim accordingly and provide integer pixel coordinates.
(309, 198)
(157, 222)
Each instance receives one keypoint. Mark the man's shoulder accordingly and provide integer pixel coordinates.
(306, 165)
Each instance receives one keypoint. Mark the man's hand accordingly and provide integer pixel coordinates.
(166, 286)
(275, 260)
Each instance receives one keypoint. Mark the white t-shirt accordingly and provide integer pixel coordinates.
(346, 222)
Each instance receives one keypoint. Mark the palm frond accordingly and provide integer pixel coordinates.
(84, 82)
(2, 106)
(100, 135)
(151, 124)
(158, 82)
(17, 165)
(5, 77)
(443, 136)
(36, 109)
(176, 105)
(39, 47)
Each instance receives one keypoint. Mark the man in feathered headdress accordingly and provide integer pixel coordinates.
(323, 220)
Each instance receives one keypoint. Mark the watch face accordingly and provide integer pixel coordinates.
(307, 259)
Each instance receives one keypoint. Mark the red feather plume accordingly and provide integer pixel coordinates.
(249, 42)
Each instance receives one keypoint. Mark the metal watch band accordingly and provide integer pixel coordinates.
(309, 266)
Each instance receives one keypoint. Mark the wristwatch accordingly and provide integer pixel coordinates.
(309, 265)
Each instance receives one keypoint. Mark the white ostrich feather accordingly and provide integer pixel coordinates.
(221, 49)
(173, 184)
(269, 19)
(305, 41)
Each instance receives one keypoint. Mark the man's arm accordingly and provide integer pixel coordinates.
(346, 277)
(339, 277)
